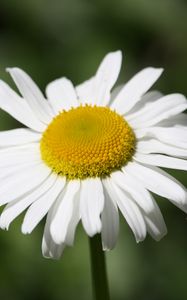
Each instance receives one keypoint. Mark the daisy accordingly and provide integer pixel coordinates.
(87, 153)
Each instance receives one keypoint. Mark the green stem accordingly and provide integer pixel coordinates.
(98, 267)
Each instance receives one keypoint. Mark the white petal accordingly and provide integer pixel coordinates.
(85, 91)
(23, 148)
(135, 88)
(39, 209)
(8, 172)
(64, 210)
(178, 121)
(115, 91)
(161, 109)
(154, 146)
(91, 205)
(131, 186)
(61, 95)
(172, 136)
(16, 207)
(159, 182)
(17, 156)
(96, 90)
(69, 240)
(110, 222)
(32, 94)
(18, 108)
(155, 224)
(161, 161)
(49, 248)
(106, 77)
(18, 136)
(153, 218)
(146, 100)
(162, 133)
(25, 181)
(129, 209)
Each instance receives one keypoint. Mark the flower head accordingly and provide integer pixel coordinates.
(88, 152)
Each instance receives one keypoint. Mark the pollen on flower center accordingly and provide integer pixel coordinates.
(87, 141)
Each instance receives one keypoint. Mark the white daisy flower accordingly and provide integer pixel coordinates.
(88, 152)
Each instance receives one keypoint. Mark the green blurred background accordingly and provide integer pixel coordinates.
(50, 39)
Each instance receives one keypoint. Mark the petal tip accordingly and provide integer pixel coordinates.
(12, 69)
(25, 229)
(161, 235)
(57, 238)
(4, 225)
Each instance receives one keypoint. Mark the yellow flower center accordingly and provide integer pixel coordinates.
(87, 141)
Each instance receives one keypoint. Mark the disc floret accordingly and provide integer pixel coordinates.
(87, 141)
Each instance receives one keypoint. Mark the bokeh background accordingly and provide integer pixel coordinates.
(50, 39)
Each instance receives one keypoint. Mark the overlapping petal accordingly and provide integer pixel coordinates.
(16, 207)
(160, 127)
(18, 136)
(40, 208)
(129, 209)
(162, 109)
(63, 211)
(134, 89)
(61, 95)
(32, 94)
(18, 108)
(159, 182)
(97, 89)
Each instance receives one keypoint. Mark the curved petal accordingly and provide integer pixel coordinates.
(49, 248)
(32, 147)
(63, 212)
(32, 94)
(161, 109)
(106, 77)
(28, 178)
(110, 221)
(154, 146)
(153, 218)
(39, 209)
(134, 89)
(161, 161)
(18, 136)
(97, 89)
(70, 235)
(61, 95)
(16, 157)
(131, 186)
(155, 224)
(159, 182)
(16, 207)
(9, 172)
(129, 209)
(91, 205)
(146, 100)
(178, 121)
(18, 108)
(172, 136)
